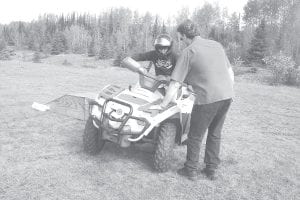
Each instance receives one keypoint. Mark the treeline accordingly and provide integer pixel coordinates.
(266, 27)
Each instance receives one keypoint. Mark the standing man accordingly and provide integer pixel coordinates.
(204, 65)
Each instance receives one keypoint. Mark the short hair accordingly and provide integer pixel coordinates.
(188, 28)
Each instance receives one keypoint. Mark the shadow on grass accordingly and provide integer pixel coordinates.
(133, 155)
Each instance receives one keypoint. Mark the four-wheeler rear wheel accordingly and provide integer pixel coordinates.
(92, 138)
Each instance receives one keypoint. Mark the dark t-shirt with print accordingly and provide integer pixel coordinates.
(164, 65)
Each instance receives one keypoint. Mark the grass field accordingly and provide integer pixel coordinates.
(41, 154)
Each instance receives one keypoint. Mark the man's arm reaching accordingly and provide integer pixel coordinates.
(171, 92)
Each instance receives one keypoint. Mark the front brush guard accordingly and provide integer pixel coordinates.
(123, 120)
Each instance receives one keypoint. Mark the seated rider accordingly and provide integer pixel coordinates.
(163, 57)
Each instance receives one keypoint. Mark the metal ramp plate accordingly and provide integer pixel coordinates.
(73, 105)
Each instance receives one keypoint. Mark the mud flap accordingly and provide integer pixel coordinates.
(182, 122)
(185, 127)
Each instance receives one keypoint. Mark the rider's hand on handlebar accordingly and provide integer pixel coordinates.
(143, 70)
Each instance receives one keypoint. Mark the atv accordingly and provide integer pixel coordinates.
(125, 116)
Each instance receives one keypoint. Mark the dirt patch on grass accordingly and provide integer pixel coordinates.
(41, 155)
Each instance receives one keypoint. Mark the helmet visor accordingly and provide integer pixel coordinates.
(162, 42)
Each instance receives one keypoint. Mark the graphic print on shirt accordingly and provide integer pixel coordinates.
(167, 64)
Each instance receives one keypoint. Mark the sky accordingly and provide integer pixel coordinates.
(28, 10)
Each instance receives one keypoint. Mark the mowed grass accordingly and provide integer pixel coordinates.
(41, 154)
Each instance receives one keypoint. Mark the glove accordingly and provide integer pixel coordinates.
(142, 70)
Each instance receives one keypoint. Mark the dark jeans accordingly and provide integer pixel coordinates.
(203, 117)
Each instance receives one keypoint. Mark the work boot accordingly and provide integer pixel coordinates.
(209, 173)
(189, 173)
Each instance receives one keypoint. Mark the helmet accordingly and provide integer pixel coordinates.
(163, 40)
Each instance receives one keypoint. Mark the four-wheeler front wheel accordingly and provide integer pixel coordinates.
(164, 146)
(92, 138)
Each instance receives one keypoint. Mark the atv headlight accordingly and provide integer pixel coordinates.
(126, 129)
(141, 123)
(136, 126)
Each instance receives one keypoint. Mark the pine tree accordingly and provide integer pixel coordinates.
(4, 54)
(91, 47)
(164, 29)
(258, 46)
(8, 35)
(111, 23)
(105, 51)
(155, 31)
(36, 57)
(59, 44)
(61, 23)
(2, 44)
